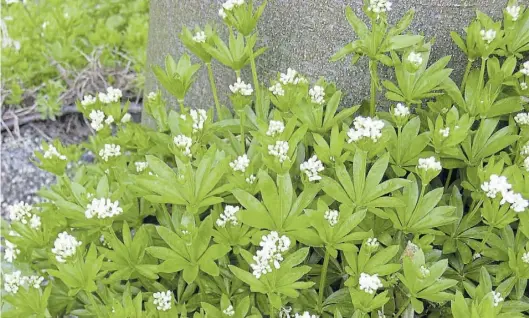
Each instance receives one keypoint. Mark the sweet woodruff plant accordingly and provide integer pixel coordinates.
(283, 203)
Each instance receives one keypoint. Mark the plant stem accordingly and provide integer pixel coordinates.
(181, 103)
(448, 178)
(373, 77)
(323, 278)
(214, 90)
(254, 74)
(475, 209)
(481, 75)
(238, 73)
(271, 307)
(403, 308)
(465, 76)
(242, 117)
(489, 232)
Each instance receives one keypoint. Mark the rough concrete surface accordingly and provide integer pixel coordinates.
(304, 34)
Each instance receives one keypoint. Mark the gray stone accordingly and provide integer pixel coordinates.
(304, 34)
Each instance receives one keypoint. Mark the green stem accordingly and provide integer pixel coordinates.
(478, 205)
(214, 90)
(238, 73)
(254, 74)
(448, 178)
(481, 76)
(489, 232)
(181, 103)
(323, 278)
(465, 77)
(403, 308)
(242, 116)
(373, 77)
(271, 307)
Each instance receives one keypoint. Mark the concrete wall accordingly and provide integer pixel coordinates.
(304, 34)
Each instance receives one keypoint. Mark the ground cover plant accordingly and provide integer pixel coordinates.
(289, 205)
(53, 52)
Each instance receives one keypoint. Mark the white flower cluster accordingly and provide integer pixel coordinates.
(429, 164)
(240, 164)
(141, 165)
(228, 6)
(228, 216)
(523, 86)
(162, 300)
(97, 118)
(499, 184)
(379, 6)
(270, 253)
(401, 110)
(291, 77)
(497, 299)
(151, 96)
(110, 150)
(53, 152)
(513, 11)
(13, 281)
(445, 132)
(113, 95)
(415, 58)
(102, 208)
(525, 149)
(372, 242)
(275, 127)
(306, 314)
(524, 69)
(242, 88)
(11, 252)
(522, 118)
(199, 118)
(317, 94)
(526, 163)
(229, 311)
(21, 212)
(312, 168)
(200, 37)
(369, 283)
(184, 143)
(488, 35)
(65, 246)
(425, 272)
(279, 150)
(88, 100)
(277, 89)
(332, 216)
(365, 127)
(251, 179)
(525, 257)
(476, 256)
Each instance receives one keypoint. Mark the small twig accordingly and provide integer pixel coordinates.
(43, 134)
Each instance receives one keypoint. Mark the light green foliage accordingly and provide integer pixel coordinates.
(290, 205)
(53, 49)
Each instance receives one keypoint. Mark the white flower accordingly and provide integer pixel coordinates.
(10, 252)
(200, 37)
(228, 216)
(445, 132)
(332, 216)
(96, 117)
(279, 150)
(401, 111)
(222, 13)
(369, 283)
(275, 127)
(372, 242)
(184, 143)
(525, 149)
(52, 152)
(113, 95)
(523, 86)
(522, 118)
(524, 69)
(277, 89)
(496, 184)
(251, 179)
(306, 314)
(526, 163)
(13, 281)
(88, 100)
(415, 58)
(199, 118)
(525, 257)
(229, 311)
(317, 94)
(497, 298)
(240, 164)
(380, 314)
(312, 168)
(488, 35)
(476, 256)
(517, 202)
(126, 118)
(102, 208)
(365, 127)
(411, 249)
(162, 300)
(270, 253)
(141, 165)
(425, 272)
(20, 212)
(291, 77)
(513, 11)
(109, 120)
(110, 150)
(35, 222)
(379, 6)
(242, 88)
(429, 164)
(65, 246)
(33, 281)
(151, 96)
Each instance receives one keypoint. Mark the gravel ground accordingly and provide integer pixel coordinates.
(20, 178)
